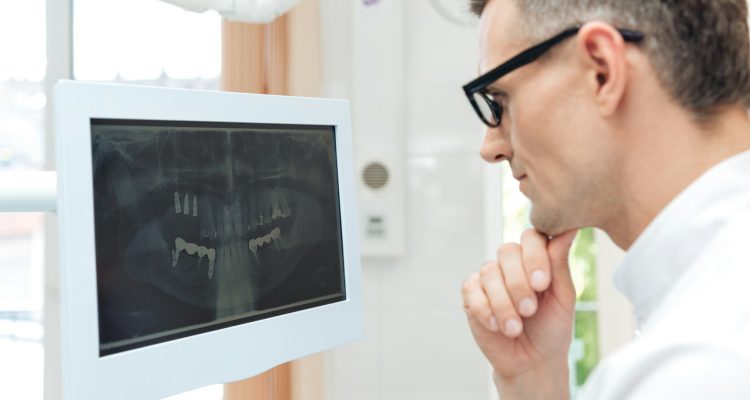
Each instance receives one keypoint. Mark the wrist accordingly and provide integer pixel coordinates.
(549, 382)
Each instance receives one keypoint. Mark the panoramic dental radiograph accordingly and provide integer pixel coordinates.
(202, 226)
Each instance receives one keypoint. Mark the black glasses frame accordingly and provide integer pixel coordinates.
(478, 85)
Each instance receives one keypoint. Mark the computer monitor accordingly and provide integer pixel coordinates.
(205, 237)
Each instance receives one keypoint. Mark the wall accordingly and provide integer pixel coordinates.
(418, 345)
(616, 320)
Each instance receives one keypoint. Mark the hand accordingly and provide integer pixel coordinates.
(520, 310)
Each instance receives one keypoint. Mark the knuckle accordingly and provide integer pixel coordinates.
(477, 309)
(508, 249)
(503, 312)
(488, 270)
(470, 284)
(517, 289)
(529, 233)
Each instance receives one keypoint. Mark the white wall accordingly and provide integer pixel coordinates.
(616, 320)
(418, 345)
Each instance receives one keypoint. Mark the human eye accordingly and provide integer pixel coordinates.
(501, 101)
(499, 98)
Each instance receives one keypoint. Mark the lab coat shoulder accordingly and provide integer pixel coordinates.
(696, 344)
(654, 368)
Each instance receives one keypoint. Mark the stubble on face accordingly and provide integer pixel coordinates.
(579, 196)
(554, 219)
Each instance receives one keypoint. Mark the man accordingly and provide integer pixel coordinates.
(629, 116)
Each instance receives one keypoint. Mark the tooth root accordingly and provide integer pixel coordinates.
(195, 206)
(179, 246)
(211, 260)
(286, 211)
(186, 207)
(177, 208)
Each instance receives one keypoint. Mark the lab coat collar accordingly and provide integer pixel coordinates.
(666, 249)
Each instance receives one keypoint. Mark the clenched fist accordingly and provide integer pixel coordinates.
(520, 309)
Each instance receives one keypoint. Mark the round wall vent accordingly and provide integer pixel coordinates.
(375, 175)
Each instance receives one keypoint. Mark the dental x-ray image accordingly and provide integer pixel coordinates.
(201, 226)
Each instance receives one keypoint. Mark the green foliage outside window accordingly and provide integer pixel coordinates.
(586, 330)
(583, 270)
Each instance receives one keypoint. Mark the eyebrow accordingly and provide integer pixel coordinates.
(496, 88)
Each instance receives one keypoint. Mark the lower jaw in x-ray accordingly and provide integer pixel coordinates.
(227, 253)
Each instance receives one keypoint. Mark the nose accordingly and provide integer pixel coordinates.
(495, 147)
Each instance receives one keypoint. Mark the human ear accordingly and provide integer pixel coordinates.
(601, 49)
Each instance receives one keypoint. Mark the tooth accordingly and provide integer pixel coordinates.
(208, 224)
(265, 209)
(211, 260)
(192, 249)
(276, 213)
(177, 208)
(285, 210)
(255, 243)
(179, 245)
(186, 207)
(252, 216)
(195, 206)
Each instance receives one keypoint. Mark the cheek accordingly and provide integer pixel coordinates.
(533, 129)
(544, 146)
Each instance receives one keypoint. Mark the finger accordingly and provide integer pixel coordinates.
(514, 274)
(535, 259)
(558, 249)
(476, 305)
(501, 304)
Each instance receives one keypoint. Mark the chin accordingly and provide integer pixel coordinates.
(547, 221)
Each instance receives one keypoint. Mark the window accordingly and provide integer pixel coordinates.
(146, 42)
(22, 119)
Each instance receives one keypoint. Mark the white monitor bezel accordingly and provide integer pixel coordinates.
(224, 355)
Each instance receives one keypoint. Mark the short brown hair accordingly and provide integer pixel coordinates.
(700, 49)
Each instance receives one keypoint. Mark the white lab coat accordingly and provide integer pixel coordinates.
(688, 278)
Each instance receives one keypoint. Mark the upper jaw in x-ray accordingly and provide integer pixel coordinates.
(220, 224)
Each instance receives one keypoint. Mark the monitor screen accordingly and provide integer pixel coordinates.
(204, 237)
(201, 226)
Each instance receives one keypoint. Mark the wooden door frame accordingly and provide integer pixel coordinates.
(281, 58)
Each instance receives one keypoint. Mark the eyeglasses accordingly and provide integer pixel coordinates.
(488, 110)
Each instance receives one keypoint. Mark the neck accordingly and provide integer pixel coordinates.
(664, 153)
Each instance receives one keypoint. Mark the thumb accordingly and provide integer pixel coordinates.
(558, 249)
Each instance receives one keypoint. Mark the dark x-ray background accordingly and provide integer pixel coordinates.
(202, 226)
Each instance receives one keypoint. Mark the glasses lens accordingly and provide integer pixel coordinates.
(484, 108)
